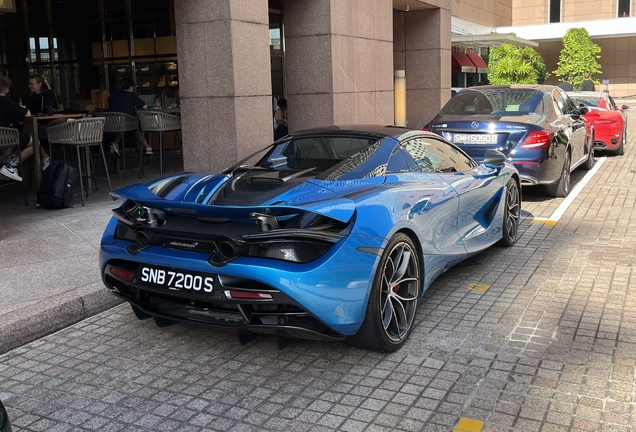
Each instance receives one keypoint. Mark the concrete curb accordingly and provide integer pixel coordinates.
(27, 324)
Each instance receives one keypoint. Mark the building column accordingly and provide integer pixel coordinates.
(224, 80)
(338, 62)
(422, 47)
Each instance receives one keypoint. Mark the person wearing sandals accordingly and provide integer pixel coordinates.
(126, 101)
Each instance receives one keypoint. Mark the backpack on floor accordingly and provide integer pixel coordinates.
(57, 186)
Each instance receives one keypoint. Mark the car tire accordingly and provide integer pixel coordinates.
(620, 151)
(561, 188)
(589, 163)
(393, 300)
(512, 212)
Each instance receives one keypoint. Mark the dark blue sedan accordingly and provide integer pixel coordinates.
(538, 128)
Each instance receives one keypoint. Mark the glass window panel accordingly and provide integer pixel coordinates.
(143, 28)
(433, 155)
(555, 11)
(275, 31)
(162, 26)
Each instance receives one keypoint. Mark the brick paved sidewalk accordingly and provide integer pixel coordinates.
(538, 337)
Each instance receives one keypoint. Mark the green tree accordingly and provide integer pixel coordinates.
(578, 56)
(509, 64)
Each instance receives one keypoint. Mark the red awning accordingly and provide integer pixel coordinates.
(479, 62)
(461, 63)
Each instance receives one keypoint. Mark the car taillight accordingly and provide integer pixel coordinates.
(536, 140)
(605, 122)
(124, 274)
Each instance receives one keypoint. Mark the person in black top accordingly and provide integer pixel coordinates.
(11, 112)
(588, 84)
(126, 101)
(565, 85)
(43, 99)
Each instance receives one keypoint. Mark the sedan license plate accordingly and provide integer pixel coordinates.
(460, 138)
(176, 280)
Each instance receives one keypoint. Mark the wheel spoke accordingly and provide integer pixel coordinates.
(403, 259)
(399, 291)
(387, 314)
(401, 320)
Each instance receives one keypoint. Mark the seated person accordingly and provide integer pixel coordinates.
(11, 112)
(126, 101)
(42, 100)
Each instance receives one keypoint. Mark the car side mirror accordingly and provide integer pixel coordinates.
(625, 108)
(494, 159)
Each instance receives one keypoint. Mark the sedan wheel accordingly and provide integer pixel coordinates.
(621, 149)
(394, 296)
(589, 163)
(512, 211)
(561, 188)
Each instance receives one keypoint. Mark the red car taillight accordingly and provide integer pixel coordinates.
(124, 274)
(536, 140)
(605, 122)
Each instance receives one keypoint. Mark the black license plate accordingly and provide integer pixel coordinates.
(175, 279)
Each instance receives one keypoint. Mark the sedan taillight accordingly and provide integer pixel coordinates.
(604, 122)
(536, 140)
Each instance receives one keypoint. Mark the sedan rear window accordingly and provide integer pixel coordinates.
(496, 102)
(586, 100)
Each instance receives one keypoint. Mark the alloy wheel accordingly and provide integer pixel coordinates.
(513, 210)
(399, 291)
(566, 174)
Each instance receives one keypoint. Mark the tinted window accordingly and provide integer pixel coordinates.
(586, 100)
(570, 107)
(400, 162)
(331, 147)
(496, 101)
(612, 104)
(370, 162)
(432, 155)
(557, 96)
(320, 153)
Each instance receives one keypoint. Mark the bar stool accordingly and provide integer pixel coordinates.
(159, 122)
(82, 133)
(120, 123)
(9, 138)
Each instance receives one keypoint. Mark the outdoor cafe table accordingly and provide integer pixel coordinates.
(36, 140)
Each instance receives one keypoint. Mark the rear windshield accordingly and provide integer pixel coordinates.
(498, 102)
(586, 100)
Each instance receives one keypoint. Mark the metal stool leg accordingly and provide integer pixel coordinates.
(26, 202)
(81, 177)
(161, 154)
(123, 149)
(101, 149)
(141, 156)
(91, 169)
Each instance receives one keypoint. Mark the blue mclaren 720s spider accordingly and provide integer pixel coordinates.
(332, 233)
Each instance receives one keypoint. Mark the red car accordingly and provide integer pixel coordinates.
(609, 122)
